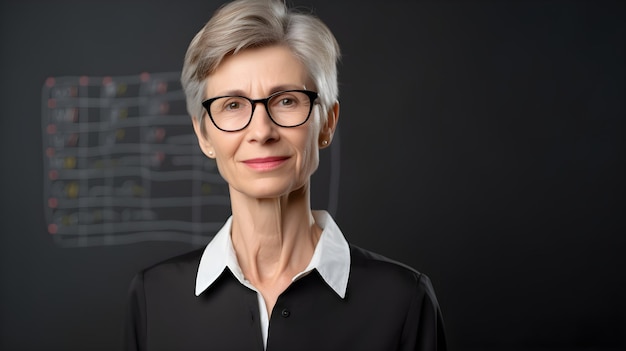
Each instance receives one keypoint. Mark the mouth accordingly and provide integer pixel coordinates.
(266, 163)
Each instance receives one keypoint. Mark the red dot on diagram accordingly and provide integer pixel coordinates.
(159, 133)
(53, 174)
(51, 129)
(50, 82)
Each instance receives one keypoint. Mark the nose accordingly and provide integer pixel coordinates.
(261, 128)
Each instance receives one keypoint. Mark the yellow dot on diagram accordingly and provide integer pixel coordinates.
(69, 162)
(137, 190)
(120, 133)
(72, 190)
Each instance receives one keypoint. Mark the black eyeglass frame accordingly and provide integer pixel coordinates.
(311, 94)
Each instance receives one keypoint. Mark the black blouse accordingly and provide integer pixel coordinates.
(388, 306)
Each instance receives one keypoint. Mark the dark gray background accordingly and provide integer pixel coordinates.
(481, 143)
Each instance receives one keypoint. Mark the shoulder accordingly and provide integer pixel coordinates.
(182, 266)
(374, 262)
(379, 269)
(362, 256)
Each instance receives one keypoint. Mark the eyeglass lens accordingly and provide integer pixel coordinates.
(287, 109)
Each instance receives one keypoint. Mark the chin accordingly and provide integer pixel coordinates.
(266, 189)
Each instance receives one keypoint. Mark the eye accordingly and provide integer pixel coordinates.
(232, 105)
(286, 101)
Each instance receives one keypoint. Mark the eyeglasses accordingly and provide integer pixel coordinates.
(288, 108)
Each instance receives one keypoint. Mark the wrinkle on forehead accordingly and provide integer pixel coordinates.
(257, 73)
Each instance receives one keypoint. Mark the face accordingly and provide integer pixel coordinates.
(264, 160)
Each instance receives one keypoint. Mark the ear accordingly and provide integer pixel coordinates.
(328, 129)
(203, 140)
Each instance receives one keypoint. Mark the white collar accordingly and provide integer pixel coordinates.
(331, 257)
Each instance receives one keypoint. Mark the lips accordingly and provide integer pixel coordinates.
(266, 163)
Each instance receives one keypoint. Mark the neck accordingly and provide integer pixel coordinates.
(274, 239)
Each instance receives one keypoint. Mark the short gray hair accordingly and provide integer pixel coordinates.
(243, 24)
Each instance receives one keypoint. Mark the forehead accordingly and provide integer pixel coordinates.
(258, 71)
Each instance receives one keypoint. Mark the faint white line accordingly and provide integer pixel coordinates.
(147, 226)
(99, 102)
(132, 238)
(217, 200)
(70, 174)
(134, 148)
(130, 122)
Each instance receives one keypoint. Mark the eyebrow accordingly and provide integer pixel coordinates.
(239, 92)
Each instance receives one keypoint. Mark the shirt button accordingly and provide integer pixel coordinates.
(285, 313)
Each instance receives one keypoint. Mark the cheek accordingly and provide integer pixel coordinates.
(225, 147)
(313, 161)
(223, 143)
(310, 153)
(312, 146)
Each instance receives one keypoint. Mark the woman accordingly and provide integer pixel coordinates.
(261, 87)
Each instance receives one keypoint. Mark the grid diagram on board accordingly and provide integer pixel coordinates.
(122, 164)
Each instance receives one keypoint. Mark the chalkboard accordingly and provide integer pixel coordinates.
(122, 165)
(480, 142)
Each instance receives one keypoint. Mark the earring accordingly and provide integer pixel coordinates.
(211, 153)
(324, 142)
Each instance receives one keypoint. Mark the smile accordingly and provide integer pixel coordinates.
(266, 163)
